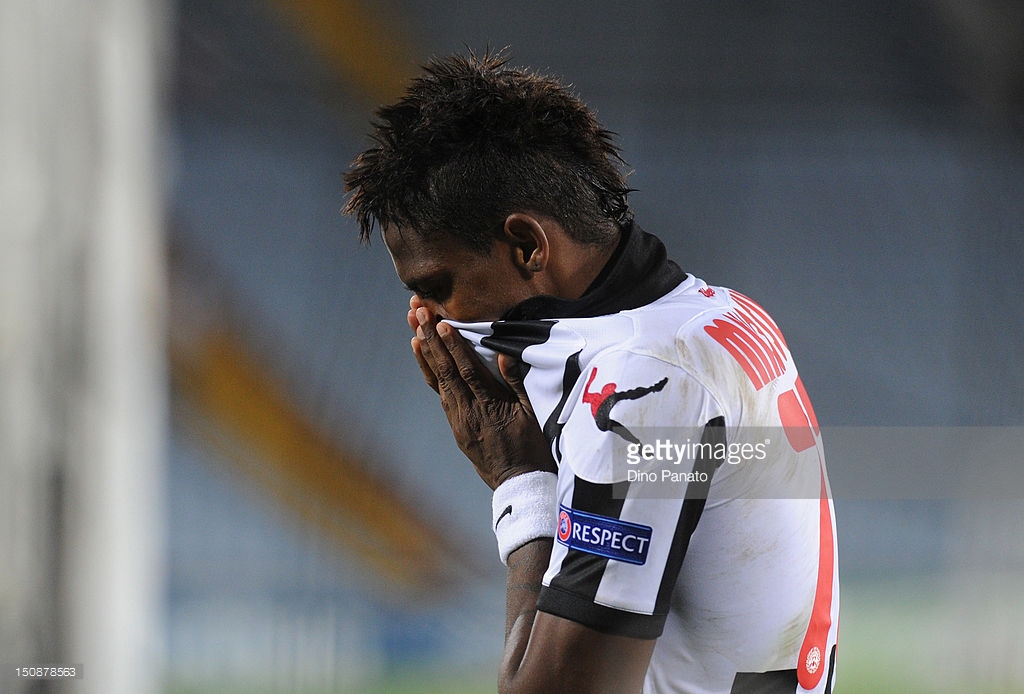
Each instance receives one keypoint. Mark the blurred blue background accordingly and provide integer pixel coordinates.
(857, 167)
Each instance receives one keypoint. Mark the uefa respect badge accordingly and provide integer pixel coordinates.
(604, 536)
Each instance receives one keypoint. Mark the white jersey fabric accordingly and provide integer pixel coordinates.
(731, 565)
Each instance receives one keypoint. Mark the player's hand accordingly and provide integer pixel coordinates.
(492, 420)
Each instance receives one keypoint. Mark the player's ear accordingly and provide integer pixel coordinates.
(529, 241)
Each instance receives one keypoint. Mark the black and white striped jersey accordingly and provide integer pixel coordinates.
(693, 503)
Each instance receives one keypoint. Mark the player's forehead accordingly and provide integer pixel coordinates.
(416, 257)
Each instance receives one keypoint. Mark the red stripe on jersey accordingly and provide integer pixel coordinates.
(798, 418)
(814, 650)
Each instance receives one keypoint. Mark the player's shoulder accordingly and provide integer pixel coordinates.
(681, 311)
(696, 312)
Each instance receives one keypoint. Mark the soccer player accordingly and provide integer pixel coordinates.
(606, 397)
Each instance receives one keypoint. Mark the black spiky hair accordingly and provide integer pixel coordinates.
(474, 140)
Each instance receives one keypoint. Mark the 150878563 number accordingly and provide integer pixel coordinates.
(46, 672)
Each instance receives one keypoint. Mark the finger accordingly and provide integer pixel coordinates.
(415, 304)
(480, 381)
(513, 372)
(439, 359)
(428, 375)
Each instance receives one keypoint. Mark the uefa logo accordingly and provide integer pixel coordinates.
(564, 526)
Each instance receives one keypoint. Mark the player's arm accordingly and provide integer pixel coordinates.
(545, 653)
(495, 426)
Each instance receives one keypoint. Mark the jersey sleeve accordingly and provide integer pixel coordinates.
(617, 551)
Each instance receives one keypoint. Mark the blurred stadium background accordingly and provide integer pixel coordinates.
(219, 469)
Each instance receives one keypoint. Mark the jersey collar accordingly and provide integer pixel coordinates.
(638, 273)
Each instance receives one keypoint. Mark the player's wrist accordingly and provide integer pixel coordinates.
(524, 508)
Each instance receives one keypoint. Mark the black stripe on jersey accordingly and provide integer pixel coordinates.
(831, 669)
(514, 338)
(774, 682)
(552, 429)
(583, 570)
(693, 508)
(571, 593)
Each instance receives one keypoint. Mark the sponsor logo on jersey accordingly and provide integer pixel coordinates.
(602, 401)
(606, 537)
(813, 661)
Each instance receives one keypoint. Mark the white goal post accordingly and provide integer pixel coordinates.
(82, 411)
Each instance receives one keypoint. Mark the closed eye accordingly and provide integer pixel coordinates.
(421, 293)
(437, 290)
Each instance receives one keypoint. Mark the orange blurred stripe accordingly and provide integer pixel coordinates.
(363, 48)
(307, 472)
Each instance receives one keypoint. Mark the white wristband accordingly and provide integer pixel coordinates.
(524, 508)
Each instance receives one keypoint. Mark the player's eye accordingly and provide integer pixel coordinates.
(438, 292)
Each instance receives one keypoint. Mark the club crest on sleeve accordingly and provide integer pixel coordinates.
(606, 537)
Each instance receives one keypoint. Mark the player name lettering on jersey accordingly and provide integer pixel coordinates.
(753, 339)
(603, 536)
